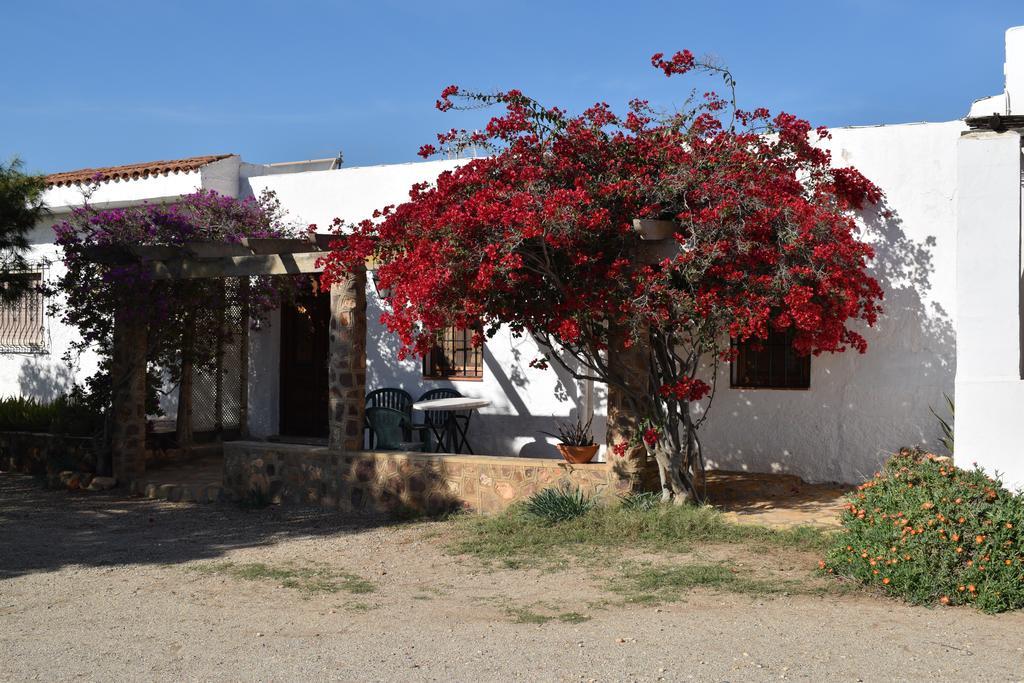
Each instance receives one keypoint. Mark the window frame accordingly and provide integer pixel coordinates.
(744, 353)
(39, 272)
(455, 342)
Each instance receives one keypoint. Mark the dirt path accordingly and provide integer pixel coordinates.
(101, 588)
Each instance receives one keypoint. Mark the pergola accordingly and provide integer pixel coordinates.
(221, 260)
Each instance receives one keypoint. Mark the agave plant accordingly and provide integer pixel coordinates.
(946, 425)
(577, 434)
(559, 504)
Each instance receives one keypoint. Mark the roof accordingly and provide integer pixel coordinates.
(132, 171)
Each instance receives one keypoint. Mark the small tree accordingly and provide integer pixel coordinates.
(539, 236)
(21, 208)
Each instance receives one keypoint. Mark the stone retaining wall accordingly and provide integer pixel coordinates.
(40, 453)
(386, 481)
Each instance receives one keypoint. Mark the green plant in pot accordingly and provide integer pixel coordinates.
(575, 441)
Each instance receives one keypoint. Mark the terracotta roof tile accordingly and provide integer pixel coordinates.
(132, 171)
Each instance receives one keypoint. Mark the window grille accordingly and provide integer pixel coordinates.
(23, 321)
(453, 356)
(775, 365)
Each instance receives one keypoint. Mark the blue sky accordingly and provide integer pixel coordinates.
(99, 83)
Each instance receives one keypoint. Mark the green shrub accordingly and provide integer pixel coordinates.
(64, 415)
(927, 531)
(559, 504)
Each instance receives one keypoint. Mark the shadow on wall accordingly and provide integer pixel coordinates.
(526, 408)
(45, 381)
(860, 408)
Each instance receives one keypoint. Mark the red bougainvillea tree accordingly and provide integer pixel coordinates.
(539, 236)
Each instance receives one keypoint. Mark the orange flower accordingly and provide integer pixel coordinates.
(979, 539)
(961, 588)
(958, 501)
(944, 600)
(927, 506)
(961, 520)
(959, 550)
(971, 588)
(886, 581)
(955, 537)
(821, 564)
(1009, 525)
(1008, 563)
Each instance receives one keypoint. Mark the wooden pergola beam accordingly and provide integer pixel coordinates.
(237, 266)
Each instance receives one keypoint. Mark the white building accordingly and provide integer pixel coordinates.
(948, 243)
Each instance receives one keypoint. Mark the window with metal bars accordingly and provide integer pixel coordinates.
(775, 365)
(23, 321)
(453, 356)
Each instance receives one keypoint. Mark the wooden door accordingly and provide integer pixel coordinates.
(305, 352)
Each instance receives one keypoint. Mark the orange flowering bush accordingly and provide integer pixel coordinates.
(927, 531)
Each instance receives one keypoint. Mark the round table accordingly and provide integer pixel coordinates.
(453, 426)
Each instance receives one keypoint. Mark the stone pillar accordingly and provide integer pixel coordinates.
(638, 470)
(347, 372)
(128, 398)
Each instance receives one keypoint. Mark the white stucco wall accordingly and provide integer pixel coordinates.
(861, 408)
(46, 375)
(351, 194)
(989, 388)
(120, 192)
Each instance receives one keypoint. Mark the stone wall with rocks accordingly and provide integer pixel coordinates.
(389, 481)
(41, 453)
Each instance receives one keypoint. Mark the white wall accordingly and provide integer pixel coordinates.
(46, 375)
(120, 192)
(989, 389)
(861, 408)
(352, 194)
(524, 401)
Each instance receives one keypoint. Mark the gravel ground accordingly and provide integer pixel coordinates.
(97, 587)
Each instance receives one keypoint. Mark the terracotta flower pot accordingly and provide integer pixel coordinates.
(655, 228)
(577, 454)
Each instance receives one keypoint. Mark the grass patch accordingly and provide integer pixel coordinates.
(573, 618)
(517, 539)
(358, 607)
(307, 580)
(668, 583)
(526, 615)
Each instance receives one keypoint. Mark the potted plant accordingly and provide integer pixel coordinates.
(576, 443)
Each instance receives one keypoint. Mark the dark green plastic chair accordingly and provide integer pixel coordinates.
(389, 427)
(396, 399)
